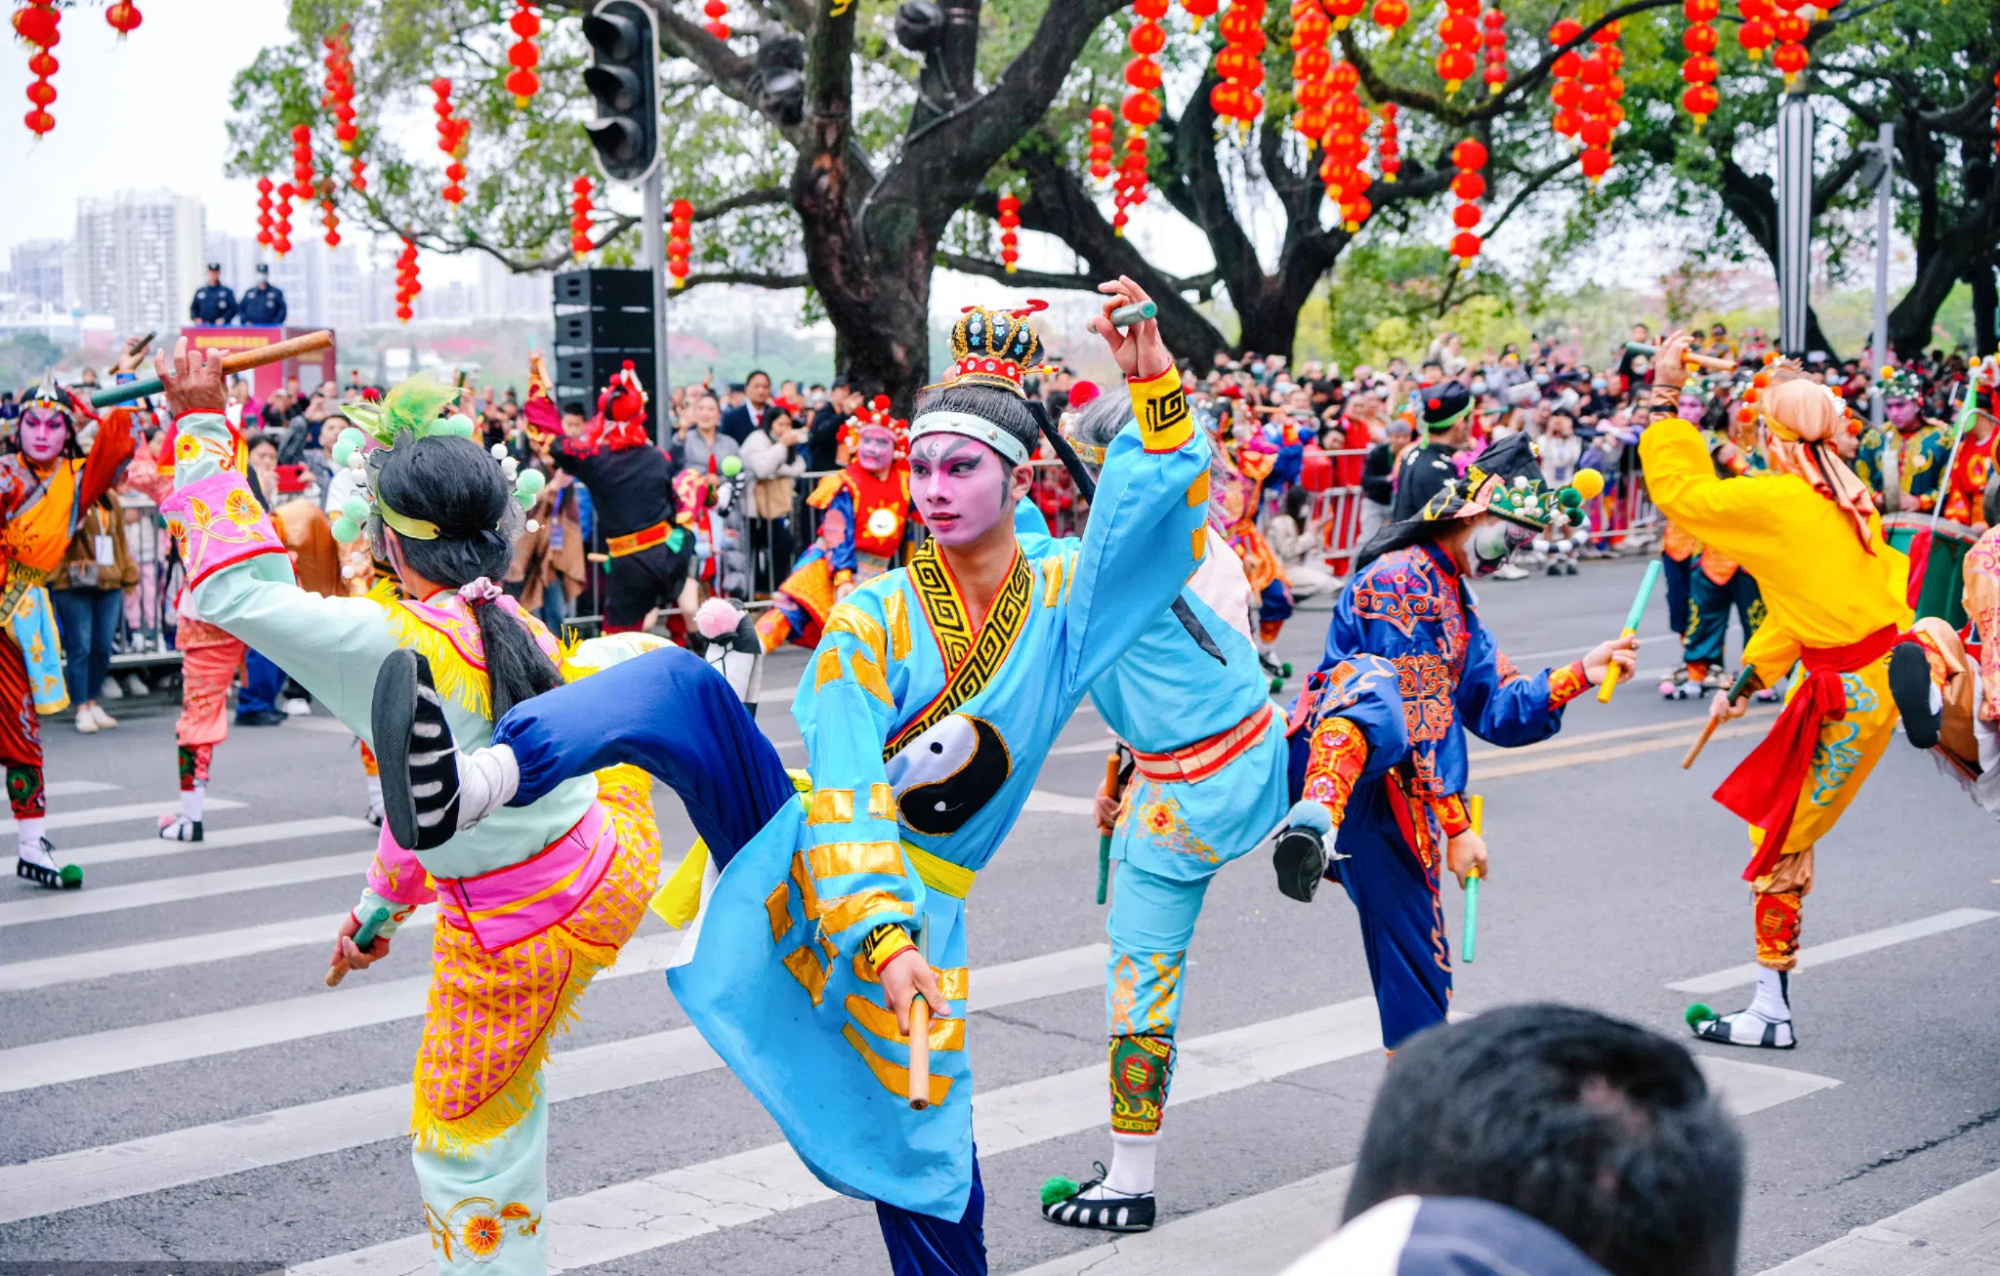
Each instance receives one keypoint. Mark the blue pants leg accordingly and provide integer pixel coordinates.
(1151, 924)
(261, 686)
(920, 1245)
(1402, 920)
(1678, 572)
(666, 712)
(1708, 633)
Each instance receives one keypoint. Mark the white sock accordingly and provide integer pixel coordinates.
(32, 848)
(1769, 1004)
(486, 779)
(374, 793)
(191, 801)
(1132, 1163)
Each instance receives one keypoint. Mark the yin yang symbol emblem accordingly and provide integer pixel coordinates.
(945, 776)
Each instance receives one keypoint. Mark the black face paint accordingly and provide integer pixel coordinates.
(947, 775)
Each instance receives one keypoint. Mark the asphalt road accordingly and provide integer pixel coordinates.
(176, 1083)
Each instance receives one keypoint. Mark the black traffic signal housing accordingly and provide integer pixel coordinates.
(623, 80)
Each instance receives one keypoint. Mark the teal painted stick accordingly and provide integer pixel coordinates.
(1138, 312)
(1632, 620)
(364, 939)
(1103, 865)
(1477, 810)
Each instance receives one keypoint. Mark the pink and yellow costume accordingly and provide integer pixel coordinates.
(531, 905)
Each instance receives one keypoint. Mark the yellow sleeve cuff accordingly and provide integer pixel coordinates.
(1161, 408)
(885, 943)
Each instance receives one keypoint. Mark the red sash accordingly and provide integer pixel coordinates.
(1764, 788)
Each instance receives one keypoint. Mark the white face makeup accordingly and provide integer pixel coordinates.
(876, 449)
(1493, 541)
(43, 432)
(961, 486)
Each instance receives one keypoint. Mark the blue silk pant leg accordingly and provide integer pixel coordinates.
(666, 712)
(1402, 925)
(263, 682)
(1678, 572)
(1151, 923)
(920, 1245)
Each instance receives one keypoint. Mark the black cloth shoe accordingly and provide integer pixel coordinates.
(67, 878)
(1062, 1202)
(1916, 695)
(416, 755)
(1300, 859)
(261, 718)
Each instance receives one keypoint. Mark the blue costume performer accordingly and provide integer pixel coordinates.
(1410, 601)
(1207, 754)
(932, 698)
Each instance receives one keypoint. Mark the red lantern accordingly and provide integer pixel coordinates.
(1700, 101)
(1755, 35)
(522, 55)
(1469, 156)
(264, 219)
(1100, 142)
(1240, 64)
(1791, 59)
(1312, 69)
(281, 226)
(1700, 69)
(1344, 12)
(1141, 109)
(1390, 15)
(579, 215)
(1495, 41)
(715, 26)
(38, 24)
(302, 172)
(1388, 153)
(1198, 11)
(408, 285)
(1010, 224)
(680, 241)
(1596, 162)
(124, 18)
(453, 134)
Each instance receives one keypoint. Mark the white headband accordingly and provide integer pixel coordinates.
(971, 427)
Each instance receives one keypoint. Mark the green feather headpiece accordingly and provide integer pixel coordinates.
(411, 406)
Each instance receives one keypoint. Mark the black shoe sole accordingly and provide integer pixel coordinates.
(404, 695)
(1300, 859)
(1910, 686)
(1100, 1216)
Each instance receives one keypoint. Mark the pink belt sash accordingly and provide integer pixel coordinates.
(511, 904)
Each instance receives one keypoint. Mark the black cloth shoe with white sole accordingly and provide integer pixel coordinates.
(67, 878)
(1744, 1028)
(1916, 694)
(1300, 859)
(417, 757)
(1063, 1202)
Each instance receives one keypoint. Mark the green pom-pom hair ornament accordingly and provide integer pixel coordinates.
(731, 466)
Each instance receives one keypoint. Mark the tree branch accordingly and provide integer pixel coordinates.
(757, 279)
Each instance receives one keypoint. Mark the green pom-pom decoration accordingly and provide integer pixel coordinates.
(732, 466)
(352, 436)
(1699, 1014)
(459, 424)
(346, 529)
(530, 482)
(343, 453)
(1571, 497)
(1058, 1189)
(72, 876)
(356, 508)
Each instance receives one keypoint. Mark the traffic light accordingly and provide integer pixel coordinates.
(622, 79)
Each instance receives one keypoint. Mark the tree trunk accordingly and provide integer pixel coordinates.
(1984, 298)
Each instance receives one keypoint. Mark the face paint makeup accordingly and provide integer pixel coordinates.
(876, 450)
(1903, 412)
(1493, 541)
(43, 432)
(960, 486)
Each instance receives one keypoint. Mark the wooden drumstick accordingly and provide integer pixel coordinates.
(236, 361)
(1710, 362)
(1736, 692)
(920, 1054)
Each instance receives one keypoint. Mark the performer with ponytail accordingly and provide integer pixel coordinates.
(533, 903)
(934, 695)
(47, 481)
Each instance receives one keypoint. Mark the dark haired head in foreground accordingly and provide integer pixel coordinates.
(1601, 1130)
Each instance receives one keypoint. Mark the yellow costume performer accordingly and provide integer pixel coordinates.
(1834, 592)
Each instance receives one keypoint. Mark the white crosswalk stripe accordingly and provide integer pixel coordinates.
(57, 820)
(1951, 1234)
(649, 1213)
(163, 954)
(53, 905)
(93, 1175)
(146, 848)
(75, 788)
(1841, 949)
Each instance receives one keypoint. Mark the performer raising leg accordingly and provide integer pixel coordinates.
(1410, 602)
(1208, 752)
(933, 698)
(1834, 594)
(537, 900)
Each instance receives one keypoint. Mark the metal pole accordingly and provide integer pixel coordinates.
(653, 242)
(1795, 138)
(1892, 448)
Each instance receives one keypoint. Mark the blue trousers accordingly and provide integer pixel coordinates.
(1707, 634)
(669, 713)
(87, 620)
(1678, 570)
(263, 683)
(1402, 920)
(1151, 924)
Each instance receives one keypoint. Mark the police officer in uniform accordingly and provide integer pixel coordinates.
(1423, 471)
(214, 304)
(263, 305)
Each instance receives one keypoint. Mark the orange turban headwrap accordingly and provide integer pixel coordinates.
(1803, 418)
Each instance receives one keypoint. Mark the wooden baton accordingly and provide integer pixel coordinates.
(920, 1054)
(1710, 362)
(1740, 689)
(364, 939)
(1103, 834)
(237, 361)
